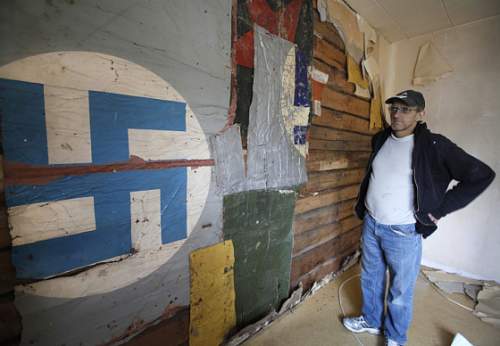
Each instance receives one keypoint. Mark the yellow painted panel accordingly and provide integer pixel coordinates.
(213, 312)
(375, 109)
(354, 73)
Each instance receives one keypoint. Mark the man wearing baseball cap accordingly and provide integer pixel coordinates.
(401, 198)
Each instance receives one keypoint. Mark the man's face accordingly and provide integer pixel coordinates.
(403, 118)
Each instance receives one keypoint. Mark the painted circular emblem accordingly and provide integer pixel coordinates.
(108, 164)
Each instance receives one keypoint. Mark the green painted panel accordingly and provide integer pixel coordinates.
(260, 225)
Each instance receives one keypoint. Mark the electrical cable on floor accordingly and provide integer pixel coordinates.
(340, 302)
(443, 294)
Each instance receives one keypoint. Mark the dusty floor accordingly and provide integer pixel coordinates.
(317, 321)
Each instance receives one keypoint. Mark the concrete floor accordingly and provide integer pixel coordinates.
(317, 321)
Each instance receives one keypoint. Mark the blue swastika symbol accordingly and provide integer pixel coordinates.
(111, 115)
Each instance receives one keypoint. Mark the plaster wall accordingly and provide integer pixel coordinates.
(465, 107)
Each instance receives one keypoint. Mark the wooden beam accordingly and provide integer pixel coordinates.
(329, 54)
(325, 133)
(325, 199)
(351, 104)
(319, 144)
(320, 181)
(325, 232)
(343, 121)
(327, 32)
(323, 216)
(324, 160)
(309, 260)
(337, 79)
(332, 265)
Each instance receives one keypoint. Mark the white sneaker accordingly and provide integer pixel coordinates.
(389, 342)
(359, 325)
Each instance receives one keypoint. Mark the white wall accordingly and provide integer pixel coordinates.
(465, 107)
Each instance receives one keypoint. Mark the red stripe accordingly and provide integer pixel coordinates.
(17, 173)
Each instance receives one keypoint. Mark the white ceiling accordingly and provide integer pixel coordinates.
(401, 19)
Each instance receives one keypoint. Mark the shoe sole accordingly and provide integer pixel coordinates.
(372, 331)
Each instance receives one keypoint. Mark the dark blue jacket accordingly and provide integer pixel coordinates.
(436, 161)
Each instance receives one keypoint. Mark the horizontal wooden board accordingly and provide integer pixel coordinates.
(323, 216)
(320, 234)
(332, 265)
(316, 155)
(345, 103)
(331, 179)
(175, 329)
(337, 79)
(326, 133)
(323, 160)
(327, 32)
(343, 121)
(307, 261)
(324, 199)
(329, 54)
(320, 144)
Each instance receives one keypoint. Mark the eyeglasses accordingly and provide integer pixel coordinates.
(401, 109)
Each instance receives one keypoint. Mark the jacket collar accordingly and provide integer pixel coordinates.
(419, 129)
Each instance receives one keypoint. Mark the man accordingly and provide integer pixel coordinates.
(402, 196)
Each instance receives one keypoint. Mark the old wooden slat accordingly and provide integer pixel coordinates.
(345, 103)
(319, 181)
(326, 31)
(337, 79)
(320, 132)
(329, 54)
(325, 227)
(323, 216)
(322, 160)
(174, 330)
(343, 121)
(324, 232)
(323, 252)
(317, 155)
(320, 144)
(320, 271)
(324, 199)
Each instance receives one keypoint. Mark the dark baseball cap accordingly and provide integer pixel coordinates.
(410, 98)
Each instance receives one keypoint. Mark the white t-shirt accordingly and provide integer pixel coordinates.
(390, 197)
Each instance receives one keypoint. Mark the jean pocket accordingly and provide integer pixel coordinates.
(404, 230)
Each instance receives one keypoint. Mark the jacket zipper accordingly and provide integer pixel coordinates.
(416, 188)
(418, 207)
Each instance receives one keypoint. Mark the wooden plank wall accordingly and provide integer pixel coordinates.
(325, 227)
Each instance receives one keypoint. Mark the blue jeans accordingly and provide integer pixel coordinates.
(398, 248)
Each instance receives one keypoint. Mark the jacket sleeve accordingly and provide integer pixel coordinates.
(473, 177)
